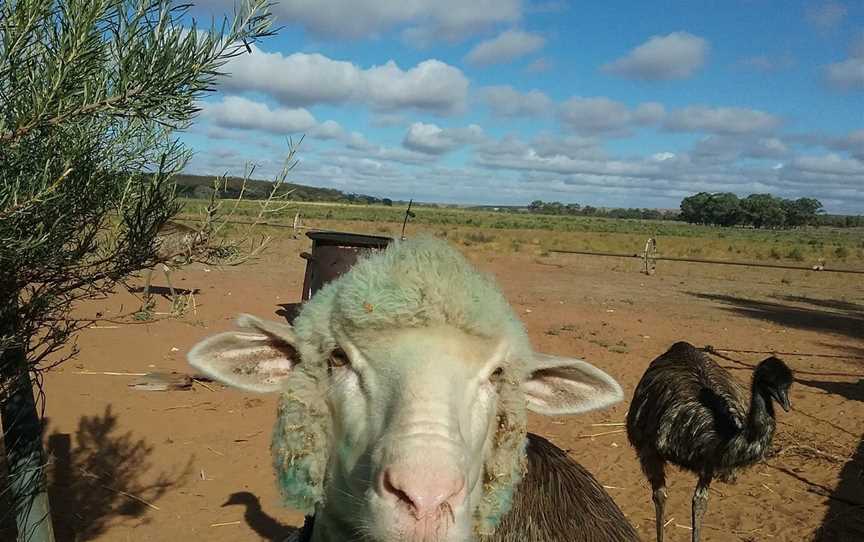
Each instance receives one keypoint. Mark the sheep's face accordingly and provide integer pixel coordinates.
(413, 415)
(416, 418)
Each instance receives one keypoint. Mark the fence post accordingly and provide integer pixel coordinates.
(650, 256)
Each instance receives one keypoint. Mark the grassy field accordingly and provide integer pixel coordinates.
(500, 231)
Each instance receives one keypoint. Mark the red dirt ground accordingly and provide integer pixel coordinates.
(187, 452)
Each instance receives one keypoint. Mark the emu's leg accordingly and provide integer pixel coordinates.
(653, 467)
(700, 504)
(167, 270)
(147, 285)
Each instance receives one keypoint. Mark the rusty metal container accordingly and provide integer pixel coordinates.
(333, 253)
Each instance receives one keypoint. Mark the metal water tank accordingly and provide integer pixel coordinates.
(333, 253)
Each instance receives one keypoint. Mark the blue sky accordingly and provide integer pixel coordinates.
(613, 103)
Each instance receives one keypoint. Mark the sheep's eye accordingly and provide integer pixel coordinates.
(338, 358)
(496, 374)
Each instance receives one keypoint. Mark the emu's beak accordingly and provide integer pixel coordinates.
(783, 398)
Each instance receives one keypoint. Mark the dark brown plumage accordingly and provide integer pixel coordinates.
(560, 501)
(689, 411)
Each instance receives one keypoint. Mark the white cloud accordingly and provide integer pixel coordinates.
(662, 156)
(240, 113)
(857, 48)
(596, 115)
(505, 101)
(649, 113)
(768, 147)
(432, 85)
(431, 139)
(305, 79)
(831, 164)
(729, 148)
(507, 46)
(846, 75)
(539, 66)
(513, 154)
(357, 146)
(720, 120)
(854, 143)
(357, 141)
(439, 19)
(384, 119)
(675, 56)
(827, 15)
(542, 146)
(667, 176)
(572, 168)
(769, 63)
(572, 146)
(329, 129)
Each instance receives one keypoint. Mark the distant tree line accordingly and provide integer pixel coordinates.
(368, 200)
(574, 209)
(717, 209)
(841, 221)
(756, 210)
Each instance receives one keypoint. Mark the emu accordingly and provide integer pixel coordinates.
(689, 411)
(404, 387)
(175, 245)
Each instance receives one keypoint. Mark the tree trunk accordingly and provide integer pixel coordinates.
(22, 438)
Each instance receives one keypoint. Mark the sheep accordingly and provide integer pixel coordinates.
(404, 386)
(689, 411)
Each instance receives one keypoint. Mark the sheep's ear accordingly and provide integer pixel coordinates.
(560, 385)
(257, 361)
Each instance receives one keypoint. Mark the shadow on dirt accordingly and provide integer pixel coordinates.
(853, 391)
(165, 291)
(96, 480)
(844, 520)
(266, 526)
(818, 315)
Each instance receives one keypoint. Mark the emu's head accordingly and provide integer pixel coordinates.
(404, 387)
(773, 378)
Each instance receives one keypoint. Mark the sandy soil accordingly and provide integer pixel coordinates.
(200, 458)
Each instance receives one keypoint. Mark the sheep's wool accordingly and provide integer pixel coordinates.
(412, 283)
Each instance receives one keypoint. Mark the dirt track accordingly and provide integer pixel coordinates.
(187, 452)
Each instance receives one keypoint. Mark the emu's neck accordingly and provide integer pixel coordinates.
(760, 417)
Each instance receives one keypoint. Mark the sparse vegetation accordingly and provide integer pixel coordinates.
(504, 232)
(90, 96)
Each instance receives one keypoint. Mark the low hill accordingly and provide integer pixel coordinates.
(201, 186)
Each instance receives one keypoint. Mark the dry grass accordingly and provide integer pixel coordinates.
(538, 234)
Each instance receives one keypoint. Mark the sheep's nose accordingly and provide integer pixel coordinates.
(424, 490)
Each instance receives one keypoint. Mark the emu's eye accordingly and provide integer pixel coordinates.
(338, 358)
